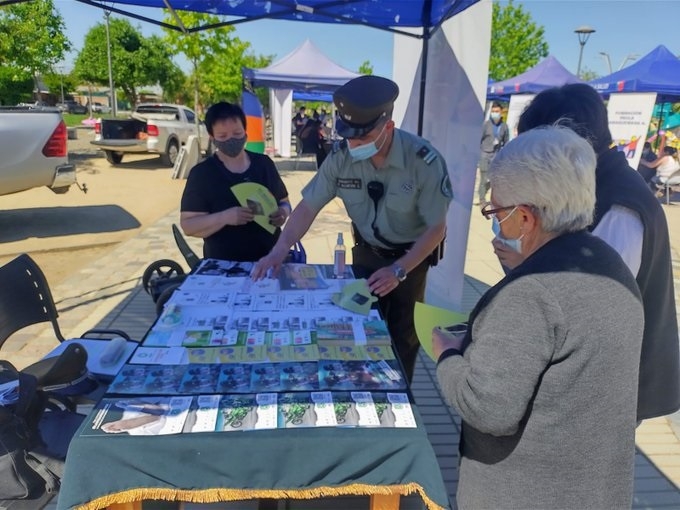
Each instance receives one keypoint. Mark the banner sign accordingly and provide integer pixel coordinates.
(629, 116)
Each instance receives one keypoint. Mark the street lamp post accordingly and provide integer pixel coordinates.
(630, 56)
(609, 62)
(583, 32)
(112, 92)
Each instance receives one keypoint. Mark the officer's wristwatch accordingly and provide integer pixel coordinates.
(399, 272)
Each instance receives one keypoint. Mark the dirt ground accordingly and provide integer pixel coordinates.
(64, 232)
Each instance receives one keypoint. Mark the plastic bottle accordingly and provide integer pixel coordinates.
(339, 258)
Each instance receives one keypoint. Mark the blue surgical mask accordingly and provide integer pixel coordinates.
(368, 150)
(495, 116)
(513, 244)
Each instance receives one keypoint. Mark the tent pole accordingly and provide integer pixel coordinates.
(423, 75)
(427, 8)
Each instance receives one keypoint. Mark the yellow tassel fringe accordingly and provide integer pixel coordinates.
(217, 495)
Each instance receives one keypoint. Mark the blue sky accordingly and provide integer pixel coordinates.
(623, 28)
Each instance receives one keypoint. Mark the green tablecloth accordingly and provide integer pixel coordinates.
(228, 466)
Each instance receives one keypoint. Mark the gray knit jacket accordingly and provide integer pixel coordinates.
(547, 387)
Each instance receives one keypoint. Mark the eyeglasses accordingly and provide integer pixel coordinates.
(489, 213)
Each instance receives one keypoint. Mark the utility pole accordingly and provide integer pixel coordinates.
(112, 92)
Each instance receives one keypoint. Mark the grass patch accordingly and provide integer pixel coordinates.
(76, 120)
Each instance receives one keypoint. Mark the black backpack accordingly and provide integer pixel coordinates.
(25, 472)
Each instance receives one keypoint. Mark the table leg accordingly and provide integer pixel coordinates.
(385, 502)
(137, 505)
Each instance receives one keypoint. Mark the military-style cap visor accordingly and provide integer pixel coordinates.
(347, 130)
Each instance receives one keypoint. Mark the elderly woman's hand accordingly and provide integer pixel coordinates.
(507, 256)
(443, 340)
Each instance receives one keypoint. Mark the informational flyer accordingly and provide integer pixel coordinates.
(629, 115)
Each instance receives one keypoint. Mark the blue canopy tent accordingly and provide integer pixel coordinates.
(658, 71)
(441, 50)
(548, 73)
(321, 97)
(396, 16)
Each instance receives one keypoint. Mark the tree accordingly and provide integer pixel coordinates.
(588, 74)
(136, 61)
(55, 80)
(517, 43)
(366, 67)
(216, 57)
(32, 39)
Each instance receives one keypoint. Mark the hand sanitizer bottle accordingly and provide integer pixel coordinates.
(339, 259)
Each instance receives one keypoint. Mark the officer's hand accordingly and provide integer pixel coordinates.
(279, 217)
(383, 281)
(238, 216)
(269, 265)
(506, 255)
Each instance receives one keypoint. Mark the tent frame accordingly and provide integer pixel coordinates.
(427, 30)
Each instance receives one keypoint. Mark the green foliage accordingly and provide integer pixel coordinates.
(32, 37)
(588, 74)
(14, 88)
(32, 41)
(136, 61)
(366, 67)
(54, 81)
(517, 43)
(216, 56)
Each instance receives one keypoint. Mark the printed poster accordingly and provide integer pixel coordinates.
(629, 116)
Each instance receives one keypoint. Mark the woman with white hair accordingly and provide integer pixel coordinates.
(545, 378)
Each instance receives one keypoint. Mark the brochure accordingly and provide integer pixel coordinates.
(296, 410)
(259, 200)
(138, 416)
(301, 276)
(159, 415)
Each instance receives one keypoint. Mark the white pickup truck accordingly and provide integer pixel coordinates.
(33, 144)
(153, 128)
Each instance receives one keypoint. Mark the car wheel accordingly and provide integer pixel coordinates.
(171, 153)
(114, 157)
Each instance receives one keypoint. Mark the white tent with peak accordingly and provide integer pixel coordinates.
(307, 69)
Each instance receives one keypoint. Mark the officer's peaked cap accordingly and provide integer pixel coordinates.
(362, 103)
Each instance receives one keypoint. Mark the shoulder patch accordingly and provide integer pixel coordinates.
(427, 154)
(445, 186)
(338, 145)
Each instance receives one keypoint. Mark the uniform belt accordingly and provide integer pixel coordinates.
(386, 253)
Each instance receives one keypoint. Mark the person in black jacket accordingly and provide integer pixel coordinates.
(630, 219)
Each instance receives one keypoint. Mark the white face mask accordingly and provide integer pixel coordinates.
(513, 244)
(367, 150)
(495, 116)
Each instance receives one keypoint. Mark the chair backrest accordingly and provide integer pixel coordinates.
(25, 298)
(189, 255)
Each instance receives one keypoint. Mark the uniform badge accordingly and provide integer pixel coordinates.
(445, 186)
(407, 186)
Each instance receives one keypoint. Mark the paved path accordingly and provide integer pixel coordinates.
(108, 294)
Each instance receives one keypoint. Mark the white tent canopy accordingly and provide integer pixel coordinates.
(306, 68)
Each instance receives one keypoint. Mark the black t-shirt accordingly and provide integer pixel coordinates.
(208, 189)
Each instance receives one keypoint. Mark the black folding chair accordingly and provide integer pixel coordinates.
(26, 299)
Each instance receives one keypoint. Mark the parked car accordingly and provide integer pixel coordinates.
(33, 142)
(100, 108)
(35, 104)
(72, 107)
(153, 128)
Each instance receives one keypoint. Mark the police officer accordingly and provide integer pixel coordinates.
(396, 190)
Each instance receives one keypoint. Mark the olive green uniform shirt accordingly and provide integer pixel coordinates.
(416, 183)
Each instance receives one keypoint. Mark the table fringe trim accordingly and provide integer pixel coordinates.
(218, 495)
